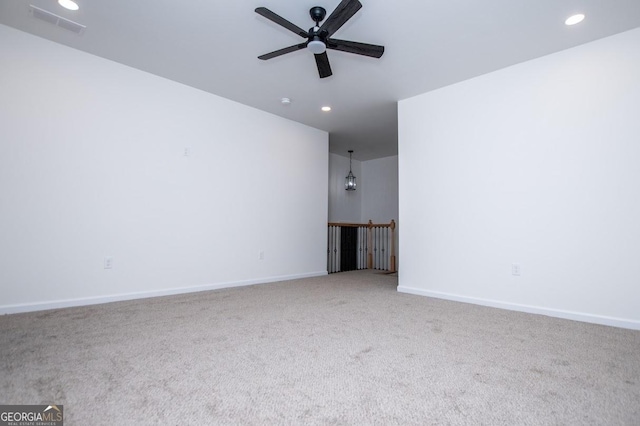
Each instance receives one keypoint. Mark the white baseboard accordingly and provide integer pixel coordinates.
(575, 316)
(67, 303)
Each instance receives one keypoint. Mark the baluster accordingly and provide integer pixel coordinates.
(335, 249)
(381, 257)
(369, 245)
(360, 248)
(381, 245)
(330, 254)
(375, 247)
(329, 249)
(384, 248)
(392, 266)
(338, 248)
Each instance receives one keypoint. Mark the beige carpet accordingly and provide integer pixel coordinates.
(342, 349)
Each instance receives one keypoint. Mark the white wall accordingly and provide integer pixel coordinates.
(92, 165)
(376, 196)
(380, 195)
(536, 164)
(380, 190)
(344, 206)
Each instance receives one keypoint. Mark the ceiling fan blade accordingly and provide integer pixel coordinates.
(365, 49)
(345, 10)
(281, 21)
(282, 51)
(322, 61)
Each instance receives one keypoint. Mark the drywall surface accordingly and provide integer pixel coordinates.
(380, 194)
(183, 190)
(380, 190)
(535, 165)
(376, 196)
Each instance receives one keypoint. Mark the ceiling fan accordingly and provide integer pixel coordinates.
(319, 37)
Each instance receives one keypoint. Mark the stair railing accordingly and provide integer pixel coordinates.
(369, 246)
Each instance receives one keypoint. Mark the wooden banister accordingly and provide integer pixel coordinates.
(347, 225)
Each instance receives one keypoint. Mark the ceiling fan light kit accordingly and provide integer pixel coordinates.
(319, 37)
(316, 46)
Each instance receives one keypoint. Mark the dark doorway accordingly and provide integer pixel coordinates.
(348, 248)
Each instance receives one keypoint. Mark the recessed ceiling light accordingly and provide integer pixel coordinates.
(69, 4)
(285, 101)
(326, 108)
(575, 19)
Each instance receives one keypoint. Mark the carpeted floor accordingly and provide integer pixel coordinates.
(342, 349)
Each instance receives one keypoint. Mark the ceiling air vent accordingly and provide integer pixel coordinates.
(54, 19)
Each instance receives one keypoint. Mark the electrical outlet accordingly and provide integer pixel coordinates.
(187, 151)
(261, 255)
(515, 269)
(108, 262)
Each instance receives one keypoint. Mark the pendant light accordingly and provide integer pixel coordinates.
(350, 182)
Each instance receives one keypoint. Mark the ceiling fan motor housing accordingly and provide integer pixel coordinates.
(317, 39)
(317, 13)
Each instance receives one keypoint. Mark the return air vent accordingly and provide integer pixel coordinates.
(54, 19)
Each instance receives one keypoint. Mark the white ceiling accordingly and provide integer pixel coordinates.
(213, 45)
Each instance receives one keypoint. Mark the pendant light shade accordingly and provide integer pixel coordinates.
(350, 180)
